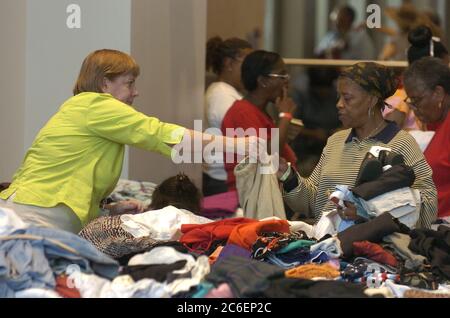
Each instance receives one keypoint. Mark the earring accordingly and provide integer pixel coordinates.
(369, 113)
(440, 105)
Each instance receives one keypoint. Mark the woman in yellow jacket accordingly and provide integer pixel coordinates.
(76, 159)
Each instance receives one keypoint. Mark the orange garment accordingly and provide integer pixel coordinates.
(65, 289)
(213, 257)
(199, 237)
(245, 235)
(310, 271)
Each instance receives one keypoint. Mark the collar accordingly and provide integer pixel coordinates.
(385, 136)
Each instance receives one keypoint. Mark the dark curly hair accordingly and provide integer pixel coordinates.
(178, 191)
(217, 50)
(421, 39)
(257, 63)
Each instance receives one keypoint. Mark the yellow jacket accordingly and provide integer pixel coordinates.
(77, 157)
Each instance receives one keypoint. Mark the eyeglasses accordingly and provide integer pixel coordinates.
(238, 59)
(282, 76)
(413, 102)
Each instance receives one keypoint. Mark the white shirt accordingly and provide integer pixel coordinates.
(219, 97)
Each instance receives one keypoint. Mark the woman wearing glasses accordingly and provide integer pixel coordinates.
(362, 89)
(225, 59)
(427, 83)
(76, 159)
(266, 80)
(423, 44)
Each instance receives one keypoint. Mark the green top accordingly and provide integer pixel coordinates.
(77, 157)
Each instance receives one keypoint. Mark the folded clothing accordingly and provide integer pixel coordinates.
(397, 177)
(223, 203)
(372, 231)
(374, 252)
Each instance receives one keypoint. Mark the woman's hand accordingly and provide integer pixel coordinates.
(349, 212)
(282, 168)
(130, 206)
(285, 104)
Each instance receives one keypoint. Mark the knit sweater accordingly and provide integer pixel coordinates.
(340, 163)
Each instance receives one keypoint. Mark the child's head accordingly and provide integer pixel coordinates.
(178, 191)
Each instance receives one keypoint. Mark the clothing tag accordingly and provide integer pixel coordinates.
(375, 150)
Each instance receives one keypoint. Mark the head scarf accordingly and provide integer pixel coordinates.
(376, 79)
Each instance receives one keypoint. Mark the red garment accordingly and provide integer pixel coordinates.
(64, 290)
(245, 115)
(199, 237)
(374, 252)
(245, 235)
(438, 157)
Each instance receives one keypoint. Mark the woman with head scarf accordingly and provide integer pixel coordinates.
(362, 89)
(427, 83)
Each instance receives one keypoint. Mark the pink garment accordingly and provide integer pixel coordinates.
(220, 204)
(223, 291)
(397, 102)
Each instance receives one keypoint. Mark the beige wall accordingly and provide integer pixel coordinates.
(12, 88)
(168, 39)
(41, 58)
(235, 18)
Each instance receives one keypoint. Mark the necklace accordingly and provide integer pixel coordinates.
(376, 129)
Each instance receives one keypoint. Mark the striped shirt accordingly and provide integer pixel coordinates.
(340, 163)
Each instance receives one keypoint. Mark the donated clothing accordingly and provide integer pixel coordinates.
(30, 257)
(258, 190)
(403, 204)
(245, 115)
(108, 236)
(76, 159)
(161, 225)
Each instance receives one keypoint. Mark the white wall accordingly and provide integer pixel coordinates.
(55, 52)
(12, 87)
(168, 42)
(44, 58)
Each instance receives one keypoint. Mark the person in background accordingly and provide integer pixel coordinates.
(266, 80)
(346, 41)
(423, 44)
(225, 58)
(362, 89)
(178, 191)
(76, 159)
(407, 18)
(317, 110)
(427, 84)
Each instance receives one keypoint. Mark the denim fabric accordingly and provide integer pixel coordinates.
(88, 257)
(30, 257)
(345, 224)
